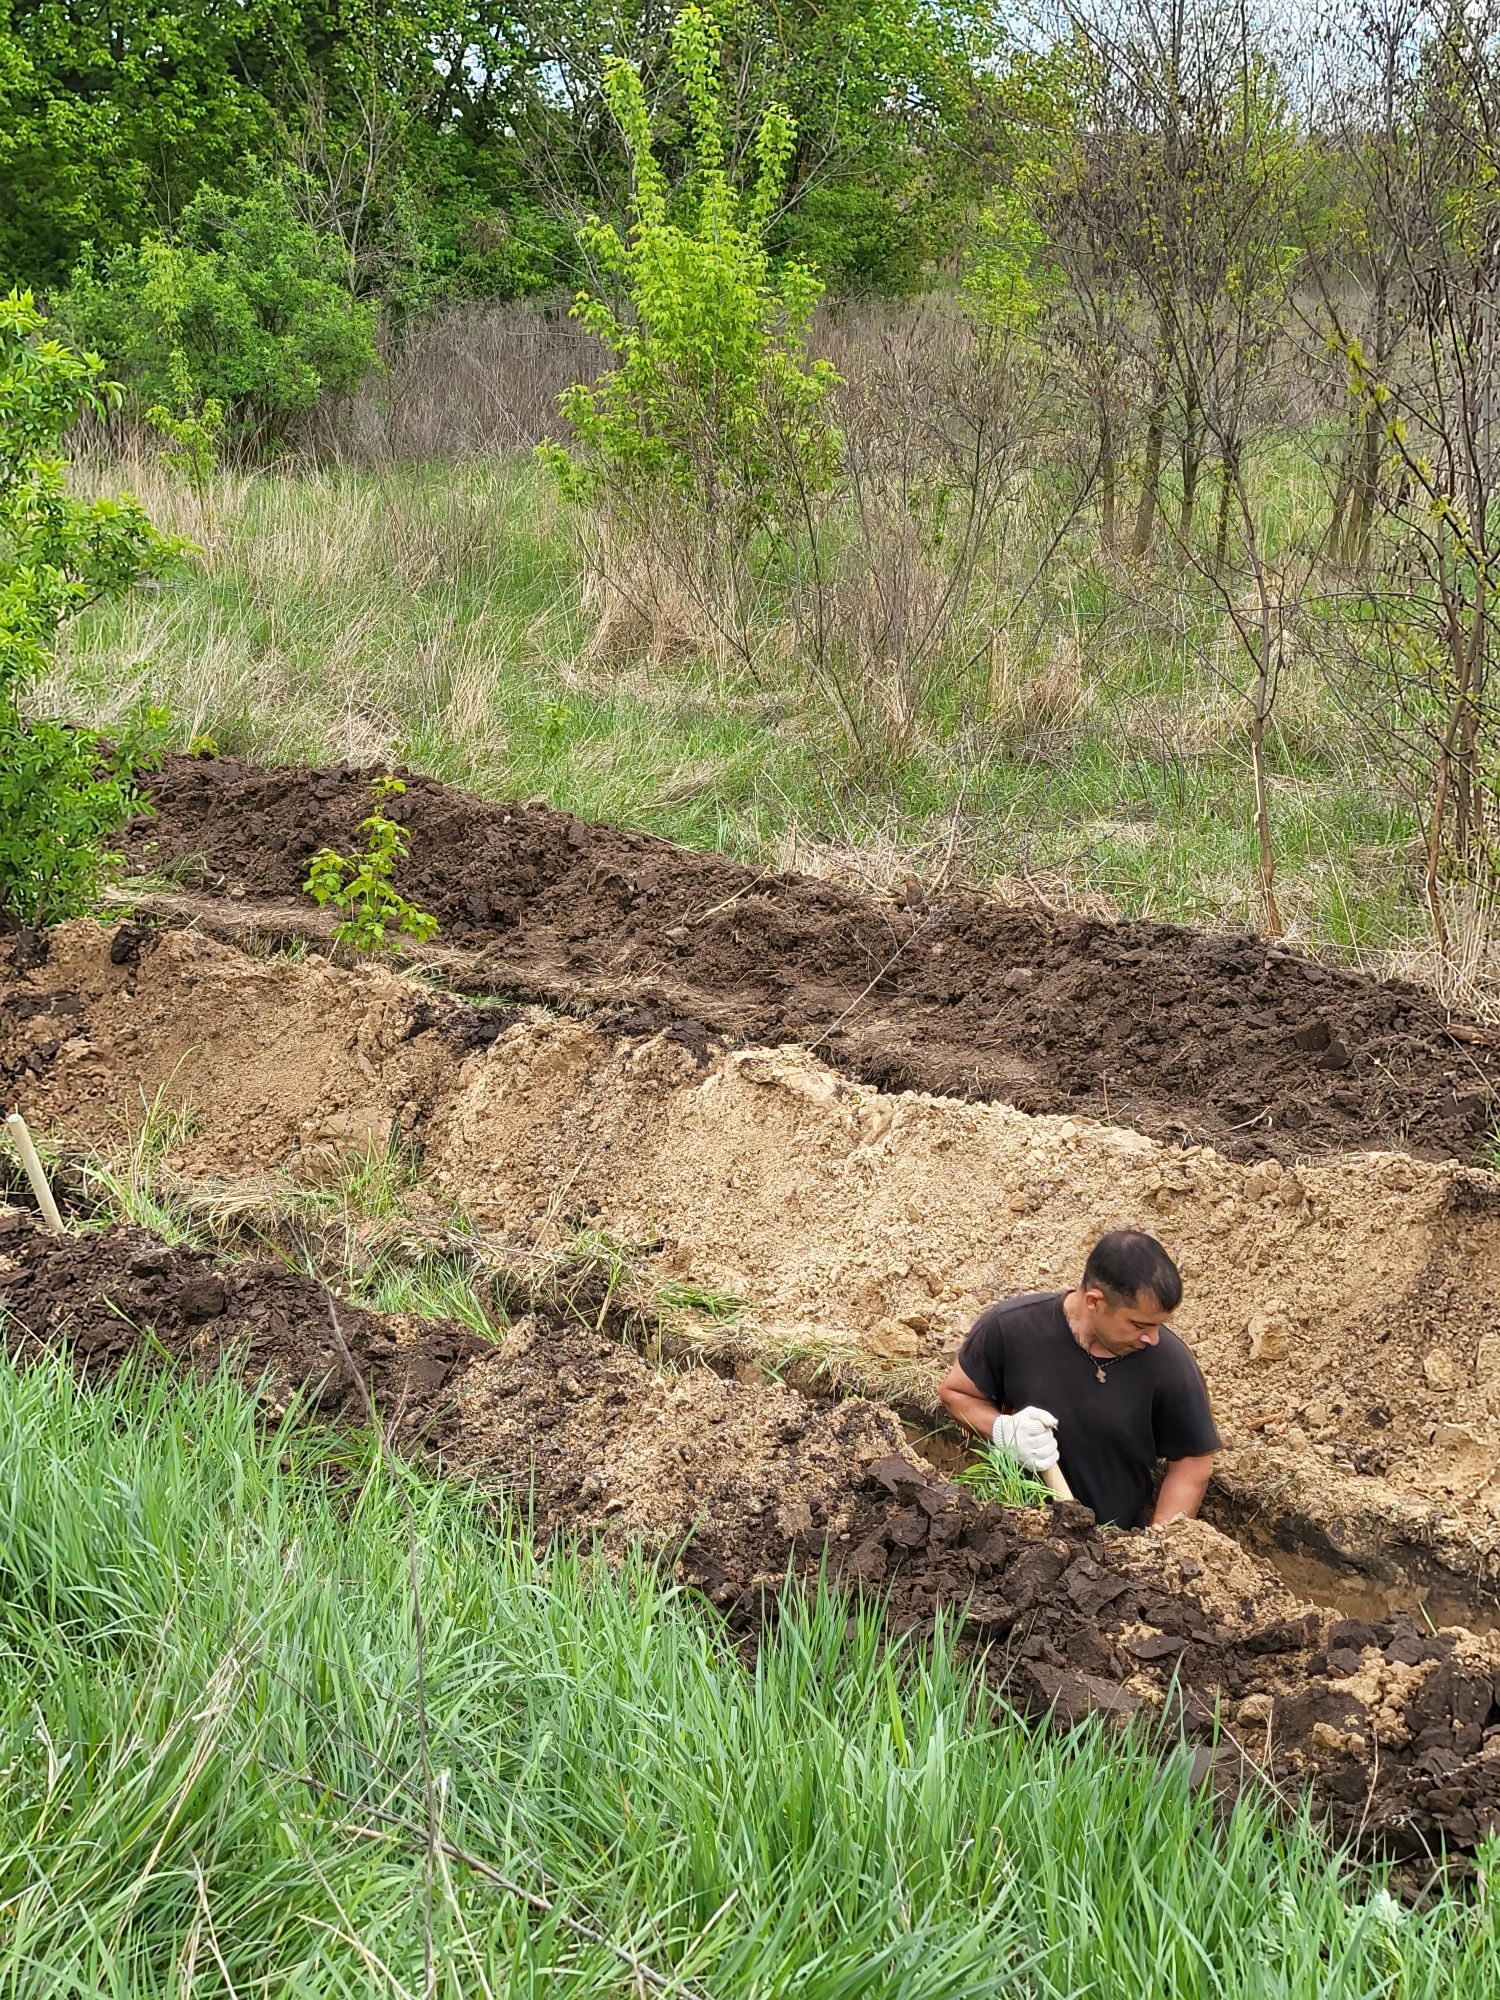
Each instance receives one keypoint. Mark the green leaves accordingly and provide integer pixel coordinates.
(1000, 1478)
(61, 790)
(245, 306)
(713, 389)
(361, 887)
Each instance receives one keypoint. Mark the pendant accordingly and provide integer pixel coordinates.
(1098, 1373)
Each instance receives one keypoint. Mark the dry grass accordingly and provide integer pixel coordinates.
(466, 381)
(1088, 753)
(1466, 978)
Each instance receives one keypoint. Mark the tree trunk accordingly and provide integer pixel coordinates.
(1109, 482)
(1361, 514)
(1267, 663)
(1343, 499)
(1156, 431)
(1221, 525)
(1271, 922)
(1192, 459)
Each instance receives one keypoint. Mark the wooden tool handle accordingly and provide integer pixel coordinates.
(1056, 1485)
(15, 1124)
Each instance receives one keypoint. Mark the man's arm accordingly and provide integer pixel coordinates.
(964, 1399)
(1183, 1487)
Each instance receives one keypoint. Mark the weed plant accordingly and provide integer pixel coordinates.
(1000, 1477)
(213, 1770)
(360, 885)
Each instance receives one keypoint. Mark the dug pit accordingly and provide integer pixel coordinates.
(1339, 1308)
(1396, 1730)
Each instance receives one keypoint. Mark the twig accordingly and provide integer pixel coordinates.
(543, 1905)
(744, 890)
(860, 998)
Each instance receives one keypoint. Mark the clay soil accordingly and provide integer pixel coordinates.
(1191, 1036)
(1341, 1309)
(1397, 1731)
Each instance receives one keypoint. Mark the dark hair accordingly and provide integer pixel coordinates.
(1127, 1263)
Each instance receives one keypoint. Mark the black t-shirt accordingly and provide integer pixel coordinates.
(1151, 1404)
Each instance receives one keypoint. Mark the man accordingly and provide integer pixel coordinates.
(1093, 1378)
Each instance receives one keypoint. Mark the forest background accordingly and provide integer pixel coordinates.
(1050, 451)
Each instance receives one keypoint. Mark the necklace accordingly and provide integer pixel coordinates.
(1101, 1363)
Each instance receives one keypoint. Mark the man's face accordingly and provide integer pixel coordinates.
(1128, 1326)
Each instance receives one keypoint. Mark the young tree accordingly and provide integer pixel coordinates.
(62, 791)
(690, 453)
(1424, 647)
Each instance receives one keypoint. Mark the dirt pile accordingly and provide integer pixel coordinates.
(108, 1295)
(264, 1057)
(1341, 1310)
(1185, 1034)
(1399, 1732)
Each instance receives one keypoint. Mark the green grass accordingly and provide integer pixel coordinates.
(434, 616)
(999, 1476)
(368, 1229)
(433, 1287)
(707, 1301)
(209, 1732)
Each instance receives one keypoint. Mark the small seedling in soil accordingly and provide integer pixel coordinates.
(681, 1296)
(1000, 1478)
(361, 886)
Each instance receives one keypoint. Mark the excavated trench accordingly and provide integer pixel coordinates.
(1340, 1308)
(827, 1240)
(1189, 1035)
(1397, 1730)
(1373, 1583)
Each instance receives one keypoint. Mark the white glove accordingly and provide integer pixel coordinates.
(1029, 1435)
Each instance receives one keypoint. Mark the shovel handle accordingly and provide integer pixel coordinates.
(1056, 1485)
(15, 1124)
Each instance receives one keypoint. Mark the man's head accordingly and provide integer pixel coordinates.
(1129, 1285)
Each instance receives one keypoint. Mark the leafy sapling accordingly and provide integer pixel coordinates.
(63, 790)
(375, 912)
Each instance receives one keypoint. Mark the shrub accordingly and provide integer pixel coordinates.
(62, 791)
(714, 418)
(243, 307)
(361, 886)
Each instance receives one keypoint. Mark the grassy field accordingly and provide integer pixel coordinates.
(1097, 756)
(213, 1727)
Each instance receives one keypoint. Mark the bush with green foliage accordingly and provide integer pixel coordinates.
(713, 400)
(62, 790)
(245, 307)
(446, 142)
(361, 885)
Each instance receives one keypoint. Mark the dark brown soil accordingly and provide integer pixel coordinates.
(108, 1295)
(1399, 1732)
(1191, 1035)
